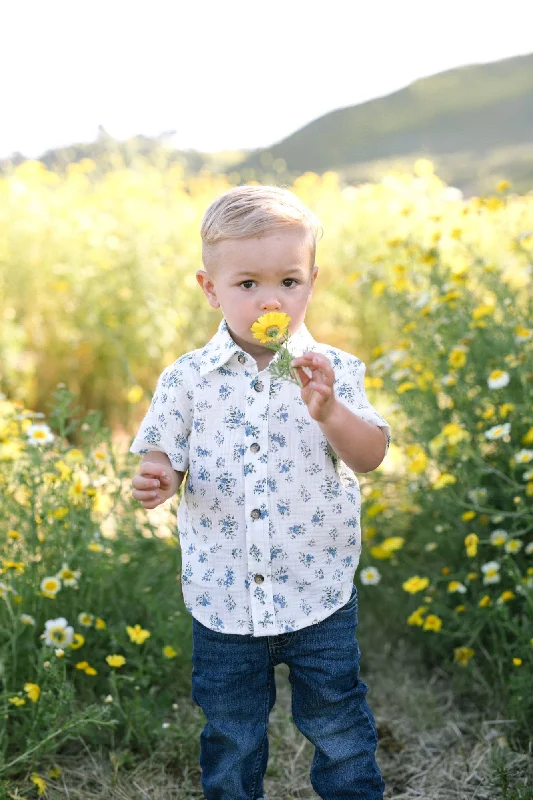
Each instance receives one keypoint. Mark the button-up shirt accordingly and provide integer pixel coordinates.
(269, 520)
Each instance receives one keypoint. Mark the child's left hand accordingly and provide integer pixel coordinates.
(317, 390)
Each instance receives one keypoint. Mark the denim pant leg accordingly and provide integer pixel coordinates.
(233, 682)
(330, 709)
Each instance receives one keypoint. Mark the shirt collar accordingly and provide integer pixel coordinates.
(222, 347)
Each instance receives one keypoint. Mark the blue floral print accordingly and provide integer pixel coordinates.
(269, 520)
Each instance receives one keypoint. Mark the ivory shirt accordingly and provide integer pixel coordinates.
(269, 520)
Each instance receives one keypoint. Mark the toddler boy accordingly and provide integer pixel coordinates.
(269, 521)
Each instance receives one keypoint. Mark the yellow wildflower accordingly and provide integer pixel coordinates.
(137, 634)
(415, 584)
(17, 701)
(471, 543)
(432, 623)
(115, 661)
(416, 617)
(270, 327)
(39, 782)
(33, 691)
(169, 652)
(462, 655)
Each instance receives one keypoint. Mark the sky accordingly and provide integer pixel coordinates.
(226, 75)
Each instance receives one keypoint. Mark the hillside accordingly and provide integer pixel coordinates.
(464, 118)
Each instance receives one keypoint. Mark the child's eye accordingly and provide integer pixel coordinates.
(246, 284)
(292, 281)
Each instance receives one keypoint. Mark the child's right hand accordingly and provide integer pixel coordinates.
(154, 484)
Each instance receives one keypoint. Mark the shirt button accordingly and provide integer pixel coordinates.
(255, 513)
(258, 386)
(255, 448)
(241, 358)
(259, 579)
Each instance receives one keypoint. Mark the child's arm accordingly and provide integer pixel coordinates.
(156, 480)
(360, 444)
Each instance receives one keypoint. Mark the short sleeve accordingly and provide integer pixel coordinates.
(350, 389)
(167, 423)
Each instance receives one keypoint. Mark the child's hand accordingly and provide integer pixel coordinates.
(154, 484)
(317, 390)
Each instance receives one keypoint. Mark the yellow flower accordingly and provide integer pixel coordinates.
(506, 408)
(96, 548)
(506, 596)
(137, 634)
(169, 652)
(378, 287)
(517, 662)
(417, 459)
(457, 358)
(17, 701)
(432, 623)
(444, 480)
(416, 617)
(387, 547)
(527, 438)
(90, 671)
(415, 584)
(39, 782)
(454, 433)
(468, 515)
(79, 640)
(115, 661)
(270, 327)
(134, 394)
(471, 543)
(55, 772)
(485, 601)
(406, 386)
(33, 691)
(462, 655)
(82, 665)
(13, 535)
(99, 624)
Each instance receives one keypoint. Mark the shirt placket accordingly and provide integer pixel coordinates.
(256, 504)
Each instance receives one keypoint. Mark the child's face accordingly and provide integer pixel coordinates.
(249, 277)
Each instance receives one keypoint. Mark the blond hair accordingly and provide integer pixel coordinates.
(246, 211)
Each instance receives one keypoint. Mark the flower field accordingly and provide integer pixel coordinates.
(98, 294)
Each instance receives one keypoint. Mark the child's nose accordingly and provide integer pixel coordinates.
(270, 305)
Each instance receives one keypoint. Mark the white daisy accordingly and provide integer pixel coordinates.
(498, 537)
(498, 431)
(477, 495)
(498, 378)
(370, 576)
(58, 632)
(448, 380)
(491, 571)
(513, 546)
(523, 456)
(26, 619)
(50, 585)
(39, 434)
(68, 576)
(529, 549)
(528, 475)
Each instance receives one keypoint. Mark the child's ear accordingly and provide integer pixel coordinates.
(314, 276)
(208, 288)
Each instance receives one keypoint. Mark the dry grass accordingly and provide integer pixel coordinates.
(429, 748)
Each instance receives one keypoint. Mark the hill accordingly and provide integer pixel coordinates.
(472, 120)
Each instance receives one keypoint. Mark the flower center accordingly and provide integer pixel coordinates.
(272, 332)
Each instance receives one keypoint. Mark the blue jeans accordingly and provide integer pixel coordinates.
(233, 683)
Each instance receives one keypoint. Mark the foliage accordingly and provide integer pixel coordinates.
(94, 639)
